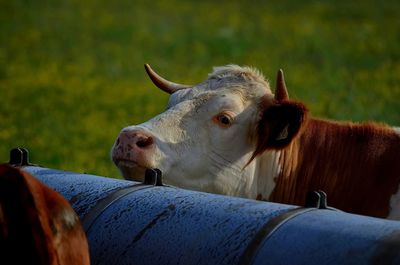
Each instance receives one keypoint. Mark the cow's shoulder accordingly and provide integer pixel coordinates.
(37, 221)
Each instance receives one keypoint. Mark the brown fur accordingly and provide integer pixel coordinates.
(37, 225)
(357, 165)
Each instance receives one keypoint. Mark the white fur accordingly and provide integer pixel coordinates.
(395, 199)
(397, 129)
(395, 206)
(268, 169)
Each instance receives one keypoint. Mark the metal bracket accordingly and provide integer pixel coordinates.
(318, 199)
(315, 200)
(153, 177)
(19, 157)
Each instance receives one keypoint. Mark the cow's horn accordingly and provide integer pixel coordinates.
(281, 92)
(163, 84)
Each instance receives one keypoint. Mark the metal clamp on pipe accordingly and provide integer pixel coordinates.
(314, 200)
(19, 157)
(153, 177)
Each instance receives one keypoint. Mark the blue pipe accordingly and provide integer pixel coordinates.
(128, 222)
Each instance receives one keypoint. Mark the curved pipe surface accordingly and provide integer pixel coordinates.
(133, 223)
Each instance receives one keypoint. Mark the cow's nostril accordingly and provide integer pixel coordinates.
(117, 143)
(144, 142)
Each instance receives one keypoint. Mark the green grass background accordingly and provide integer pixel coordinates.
(71, 72)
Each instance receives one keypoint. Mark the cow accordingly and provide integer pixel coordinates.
(231, 135)
(37, 225)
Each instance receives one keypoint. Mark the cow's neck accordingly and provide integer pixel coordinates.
(266, 171)
(356, 165)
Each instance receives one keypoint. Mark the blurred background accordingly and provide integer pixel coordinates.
(71, 72)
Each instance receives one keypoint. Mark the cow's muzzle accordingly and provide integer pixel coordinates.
(133, 145)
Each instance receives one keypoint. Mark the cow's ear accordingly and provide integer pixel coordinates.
(279, 125)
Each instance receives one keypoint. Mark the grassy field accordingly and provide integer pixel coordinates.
(71, 72)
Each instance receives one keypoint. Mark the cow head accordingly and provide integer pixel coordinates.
(210, 135)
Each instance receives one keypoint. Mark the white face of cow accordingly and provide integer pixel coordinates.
(204, 138)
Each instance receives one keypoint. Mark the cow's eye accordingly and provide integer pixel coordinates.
(223, 120)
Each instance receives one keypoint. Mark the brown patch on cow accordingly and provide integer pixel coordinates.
(357, 165)
(37, 225)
